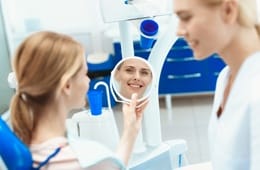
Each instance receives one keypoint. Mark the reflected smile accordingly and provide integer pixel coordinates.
(135, 85)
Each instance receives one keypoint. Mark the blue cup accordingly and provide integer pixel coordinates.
(95, 101)
(149, 28)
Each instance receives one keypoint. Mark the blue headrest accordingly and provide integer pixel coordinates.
(15, 154)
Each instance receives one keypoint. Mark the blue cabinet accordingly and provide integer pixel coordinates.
(182, 74)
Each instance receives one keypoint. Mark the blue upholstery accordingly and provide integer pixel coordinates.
(13, 151)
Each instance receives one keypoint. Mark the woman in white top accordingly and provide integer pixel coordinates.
(230, 28)
(52, 80)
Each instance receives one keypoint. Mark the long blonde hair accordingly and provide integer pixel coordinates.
(43, 62)
(247, 12)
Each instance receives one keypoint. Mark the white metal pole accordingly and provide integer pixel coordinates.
(126, 39)
(152, 124)
(127, 50)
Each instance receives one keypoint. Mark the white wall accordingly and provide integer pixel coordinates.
(5, 67)
(80, 18)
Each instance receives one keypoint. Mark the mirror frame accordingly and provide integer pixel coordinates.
(116, 94)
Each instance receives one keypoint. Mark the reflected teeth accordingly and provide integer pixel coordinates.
(135, 85)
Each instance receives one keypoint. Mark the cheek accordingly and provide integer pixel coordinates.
(201, 25)
(83, 85)
(86, 85)
(125, 78)
(207, 38)
(213, 42)
(147, 80)
(199, 30)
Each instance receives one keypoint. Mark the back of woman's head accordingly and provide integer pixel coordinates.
(248, 12)
(42, 64)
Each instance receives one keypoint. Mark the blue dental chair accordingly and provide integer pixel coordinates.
(14, 153)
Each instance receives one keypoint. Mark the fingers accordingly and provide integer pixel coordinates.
(134, 97)
(142, 104)
(140, 108)
(130, 107)
(133, 100)
(134, 106)
(133, 114)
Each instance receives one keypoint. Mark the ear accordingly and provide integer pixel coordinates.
(66, 89)
(230, 11)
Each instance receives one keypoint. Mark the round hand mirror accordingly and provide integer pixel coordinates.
(132, 75)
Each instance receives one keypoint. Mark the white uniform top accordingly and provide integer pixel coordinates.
(234, 137)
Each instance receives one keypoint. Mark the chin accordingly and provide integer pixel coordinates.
(81, 105)
(84, 103)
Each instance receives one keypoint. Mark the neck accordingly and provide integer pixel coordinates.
(51, 124)
(240, 48)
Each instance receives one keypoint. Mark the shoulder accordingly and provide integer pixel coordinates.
(223, 73)
(251, 66)
(222, 77)
(252, 75)
(65, 159)
(254, 89)
(252, 85)
(254, 110)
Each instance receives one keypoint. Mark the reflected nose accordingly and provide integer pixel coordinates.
(137, 76)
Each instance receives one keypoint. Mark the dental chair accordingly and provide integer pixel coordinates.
(14, 153)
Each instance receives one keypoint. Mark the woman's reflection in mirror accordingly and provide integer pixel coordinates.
(133, 76)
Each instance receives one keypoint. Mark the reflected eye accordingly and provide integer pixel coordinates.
(130, 70)
(145, 73)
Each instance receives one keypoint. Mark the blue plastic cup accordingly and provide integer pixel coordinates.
(149, 28)
(95, 101)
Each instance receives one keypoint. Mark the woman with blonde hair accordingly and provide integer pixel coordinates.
(230, 28)
(52, 80)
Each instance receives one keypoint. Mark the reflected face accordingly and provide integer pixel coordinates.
(133, 76)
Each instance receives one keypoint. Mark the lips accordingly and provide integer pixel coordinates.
(135, 85)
